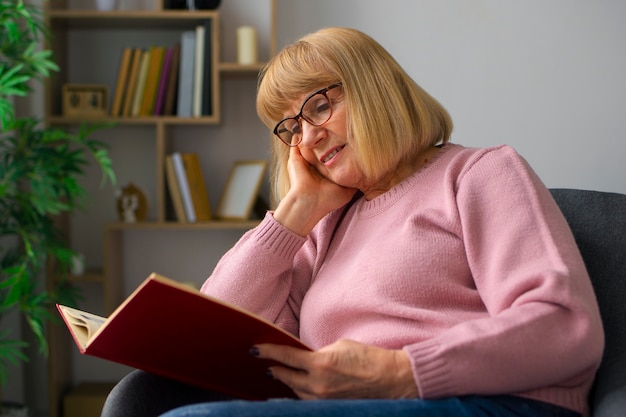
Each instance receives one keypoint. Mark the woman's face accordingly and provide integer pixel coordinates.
(328, 147)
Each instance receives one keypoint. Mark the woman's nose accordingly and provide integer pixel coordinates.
(311, 134)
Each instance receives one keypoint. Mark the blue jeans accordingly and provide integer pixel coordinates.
(141, 394)
(467, 406)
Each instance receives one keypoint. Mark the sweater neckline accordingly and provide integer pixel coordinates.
(368, 208)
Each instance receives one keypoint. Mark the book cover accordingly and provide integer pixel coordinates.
(153, 76)
(186, 73)
(197, 186)
(141, 82)
(174, 189)
(198, 73)
(172, 83)
(173, 330)
(207, 82)
(162, 84)
(132, 82)
(122, 81)
(183, 185)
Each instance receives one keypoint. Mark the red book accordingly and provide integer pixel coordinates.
(173, 330)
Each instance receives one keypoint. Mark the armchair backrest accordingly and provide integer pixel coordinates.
(598, 221)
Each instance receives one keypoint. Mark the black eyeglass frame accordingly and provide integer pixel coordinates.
(297, 117)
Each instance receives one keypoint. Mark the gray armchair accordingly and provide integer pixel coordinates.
(598, 220)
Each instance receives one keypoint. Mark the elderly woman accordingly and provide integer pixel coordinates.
(430, 279)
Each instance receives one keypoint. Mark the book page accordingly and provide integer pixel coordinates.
(84, 325)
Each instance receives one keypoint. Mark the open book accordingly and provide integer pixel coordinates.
(173, 330)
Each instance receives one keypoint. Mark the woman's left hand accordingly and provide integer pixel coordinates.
(344, 369)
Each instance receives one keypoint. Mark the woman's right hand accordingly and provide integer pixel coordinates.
(310, 198)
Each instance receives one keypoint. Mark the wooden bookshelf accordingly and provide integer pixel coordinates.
(164, 133)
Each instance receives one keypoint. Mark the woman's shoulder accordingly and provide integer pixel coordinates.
(468, 152)
(462, 158)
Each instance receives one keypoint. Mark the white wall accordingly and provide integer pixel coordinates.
(545, 76)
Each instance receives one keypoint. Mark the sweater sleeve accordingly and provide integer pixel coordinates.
(257, 274)
(543, 325)
(269, 270)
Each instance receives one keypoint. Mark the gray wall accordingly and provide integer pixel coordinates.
(545, 76)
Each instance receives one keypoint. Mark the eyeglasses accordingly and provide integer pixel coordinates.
(316, 110)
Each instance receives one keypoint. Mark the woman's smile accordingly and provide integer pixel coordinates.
(329, 157)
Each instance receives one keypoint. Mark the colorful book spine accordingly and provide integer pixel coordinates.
(122, 81)
(197, 186)
(165, 73)
(174, 189)
(141, 82)
(186, 74)
(207, 83)
(198, 72)
(132, 82)
(181, 176)
(172, 83)
(152, 80)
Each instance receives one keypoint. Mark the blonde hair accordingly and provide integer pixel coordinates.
(391, 119)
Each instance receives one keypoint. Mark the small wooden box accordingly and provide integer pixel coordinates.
(85, 100)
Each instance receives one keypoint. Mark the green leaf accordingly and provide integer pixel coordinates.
(10, 353)
(12, 80)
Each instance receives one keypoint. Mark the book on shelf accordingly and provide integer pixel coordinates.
(174, 189)
(207, 70)
(162, 84)
(171, 329)
(183, 185)
(132, 82)
(197, 186)
(122, 81)
(172, 83)
(186, 74)
(153, 76)
(141, 82)
(198, 75)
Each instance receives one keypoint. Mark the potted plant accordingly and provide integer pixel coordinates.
(40, 170)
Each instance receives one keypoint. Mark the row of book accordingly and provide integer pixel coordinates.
(167, 81)
(187, 188)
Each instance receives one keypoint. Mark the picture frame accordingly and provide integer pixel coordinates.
(241, 191)
(86, 100)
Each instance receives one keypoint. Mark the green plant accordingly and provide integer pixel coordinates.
(40, 170)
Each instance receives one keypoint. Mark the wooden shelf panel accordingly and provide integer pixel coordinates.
(90, 275)
(160, 120)
(233, 69)
(128, 19)
(211, 225)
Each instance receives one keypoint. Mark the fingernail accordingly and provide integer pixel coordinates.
(254, 351)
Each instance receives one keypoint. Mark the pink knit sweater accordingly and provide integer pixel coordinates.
(467, 265)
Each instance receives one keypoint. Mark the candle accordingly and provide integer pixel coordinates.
(246, 45)
(106, 5)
